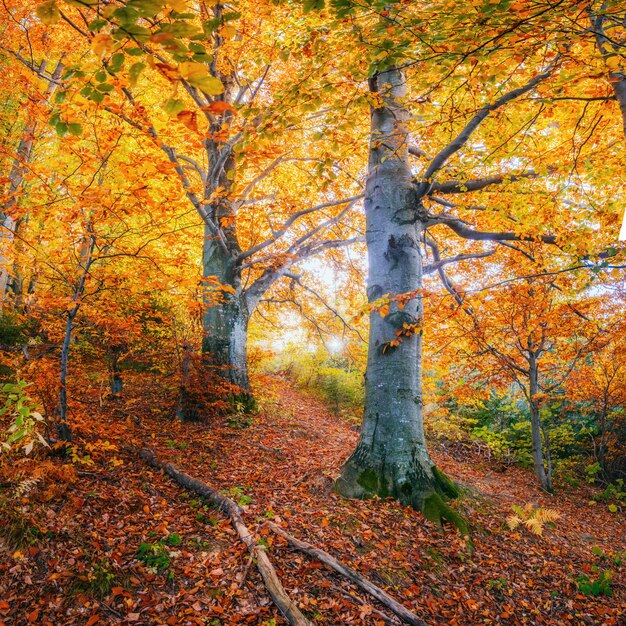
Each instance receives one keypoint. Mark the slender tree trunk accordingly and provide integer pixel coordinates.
(16, 178)
(535, 424)
(116, 381)
(391, 458)
(65, 431)
(608, 46)
(601, 454)
(87, 259)
(618, 81)
(187, 408)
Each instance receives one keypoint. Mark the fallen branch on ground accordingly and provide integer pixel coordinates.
(383, 597)
(284, 603)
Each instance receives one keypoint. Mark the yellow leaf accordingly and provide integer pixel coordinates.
(180, 6)
(228, 31)
(101, 44)
(614, 62)
(197, 75)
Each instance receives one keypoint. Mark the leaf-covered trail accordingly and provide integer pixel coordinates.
(285, 460)
(86, 566)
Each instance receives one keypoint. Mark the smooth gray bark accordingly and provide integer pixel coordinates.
(537, 431)
(225, 322)
(391, 458)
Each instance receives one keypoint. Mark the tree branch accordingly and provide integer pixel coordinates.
(457, 186)
(477, 235)
(294, 217)
(461, 139)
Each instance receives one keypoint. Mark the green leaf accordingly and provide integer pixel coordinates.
(131, 31)
(126, 15)
(181, 29)
(48, 12)
(134, 72)
(208, 84)
(312, 5)
(116, 62)
(173, 106)
(612, 508)
(146, 8)
(75, 129)
(97, 25)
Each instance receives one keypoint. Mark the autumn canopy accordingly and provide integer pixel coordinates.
(235, 227)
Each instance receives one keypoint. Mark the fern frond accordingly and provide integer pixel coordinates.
(513, 521)
(535, 526)
(24, 487)
(547, 515)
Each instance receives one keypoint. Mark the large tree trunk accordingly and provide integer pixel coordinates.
(225, 320)
(391, 458)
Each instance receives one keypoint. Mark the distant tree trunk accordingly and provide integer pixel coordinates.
(65, 431)
(86, 261)
(23, 155)
(391, 458)
(536, 426)
(187, 407)
(619, 89)
(116, 382)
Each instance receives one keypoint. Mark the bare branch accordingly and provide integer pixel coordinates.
(458, 186)
(293, 218)
(461, 139)
(477, 235)
(429, 269)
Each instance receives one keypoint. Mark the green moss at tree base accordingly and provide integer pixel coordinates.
(444, 485)
(431, 502)
(436, 510)
(245, 402)
(370, 481)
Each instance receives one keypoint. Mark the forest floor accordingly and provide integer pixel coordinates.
(108, 540)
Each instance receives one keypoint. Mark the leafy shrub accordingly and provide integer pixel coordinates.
(155, 555)
(601, 586)
(336, 380)
(614, 494)
(12, 329)
(100, 579)
(17, 528)
(238, 494)
(25, 421)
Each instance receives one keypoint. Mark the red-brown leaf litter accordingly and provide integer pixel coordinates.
(116, 542)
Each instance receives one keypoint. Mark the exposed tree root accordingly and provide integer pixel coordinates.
(384, 598)
(286, 606)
